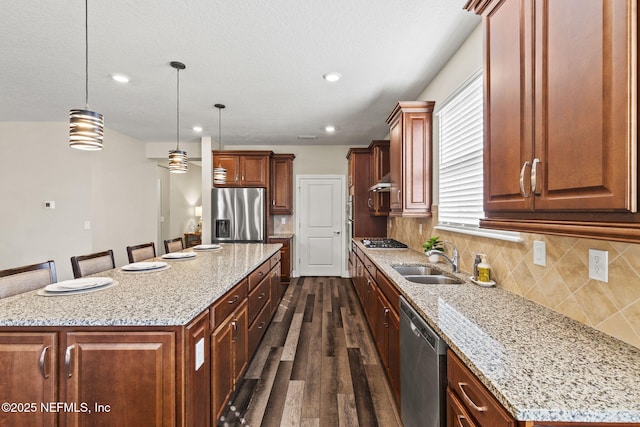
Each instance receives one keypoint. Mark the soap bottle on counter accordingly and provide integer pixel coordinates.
(484, 270)
(476, 262)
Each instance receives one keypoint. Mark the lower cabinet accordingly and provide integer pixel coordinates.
(32, 357)
(480, 408)
(109, 371)
(229, 353)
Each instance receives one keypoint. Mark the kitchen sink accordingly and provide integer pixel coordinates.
(434, 280)
(416, 270)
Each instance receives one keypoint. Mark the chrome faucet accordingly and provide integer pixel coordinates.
(454, 258)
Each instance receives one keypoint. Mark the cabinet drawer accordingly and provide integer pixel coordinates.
(275, 259)
(258, 328)
(457, 416)
(258, 274)
(370, 267)
(225, 305)
(258, 297)
(389, 290)
(481, 405)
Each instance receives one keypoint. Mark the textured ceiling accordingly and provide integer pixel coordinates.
(263, 59)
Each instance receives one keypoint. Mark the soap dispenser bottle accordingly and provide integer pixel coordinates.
(484, 270)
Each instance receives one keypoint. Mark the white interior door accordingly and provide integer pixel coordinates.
(321, 222)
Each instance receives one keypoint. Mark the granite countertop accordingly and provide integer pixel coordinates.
(541, 365)
(171, 297)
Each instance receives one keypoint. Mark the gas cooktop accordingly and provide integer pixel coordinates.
(383, 244)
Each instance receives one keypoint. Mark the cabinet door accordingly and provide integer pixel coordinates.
(281, 184)
(276, 288)
(508, 130)
(585, 120)
(240, 328)
(254, 171)
(231, 162)
(110, 372)
(29, 375)
(381, 332)
(394, 353)
(457, 415)
(222, 374)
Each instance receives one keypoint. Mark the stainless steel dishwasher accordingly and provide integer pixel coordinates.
(423, 371)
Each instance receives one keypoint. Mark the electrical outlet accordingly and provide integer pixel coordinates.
(539, 253)
(599, 265)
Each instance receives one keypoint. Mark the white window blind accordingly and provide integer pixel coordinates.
(461, 145)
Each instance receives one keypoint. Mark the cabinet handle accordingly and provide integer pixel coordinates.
(261, 325)
(234, 300)
(522, 191)
(67, 361)
(42, 364)
(273, 202)
(460, 418)
(262, 294)
(468, 399)
(369, 203)
(399, 191)
(386, 317)
(534, 176)
(234, 324)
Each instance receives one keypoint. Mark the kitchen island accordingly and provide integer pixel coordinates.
(142, 352)
(541, 366)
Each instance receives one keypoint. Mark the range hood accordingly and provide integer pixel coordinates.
(383, 185)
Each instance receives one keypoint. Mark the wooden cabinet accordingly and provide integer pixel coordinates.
(457, 415)
(479, 404)
(560, 133)
(192, 239)
(285, 257)
(281, 184)
(364, 225)
(277, 287)
(378, 201)
(410, 158)
(197, 382)
(29, 374)
(244, 168)
(111, 370)
(229, 353)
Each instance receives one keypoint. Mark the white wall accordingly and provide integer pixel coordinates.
(114, 189)
(463, 64)
(185, 196)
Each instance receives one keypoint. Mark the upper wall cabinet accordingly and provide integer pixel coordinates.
(379, 200)
(282, 184)
(410, 158)
(244, 168)
(560, 124)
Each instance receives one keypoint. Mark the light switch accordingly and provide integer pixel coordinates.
(87, 225)
(284, 220)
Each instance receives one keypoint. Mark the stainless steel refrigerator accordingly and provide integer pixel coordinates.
(238, 214)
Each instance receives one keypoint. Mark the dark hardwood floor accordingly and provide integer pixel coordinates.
(316, 366)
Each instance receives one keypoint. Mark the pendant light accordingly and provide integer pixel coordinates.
(219, 173)
(86, 128)
(178, 157)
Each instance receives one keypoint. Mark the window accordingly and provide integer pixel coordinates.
(461, 171)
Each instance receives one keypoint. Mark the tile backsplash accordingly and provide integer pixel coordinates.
(562, 285)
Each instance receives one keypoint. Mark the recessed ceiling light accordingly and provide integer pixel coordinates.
(197, 129)
(332, 76)
(330, 128)
(120, 78)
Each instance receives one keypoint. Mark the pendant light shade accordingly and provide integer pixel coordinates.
(219, 173)
(178, 157)
(86, 128)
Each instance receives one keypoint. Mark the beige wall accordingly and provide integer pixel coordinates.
(114, 189)
(185, 194)
(563, 285)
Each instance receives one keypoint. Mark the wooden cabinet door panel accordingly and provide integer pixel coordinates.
(282, 184)
(417, 162)
(117, 369)
(240, 327)
(395, 164)
(508, 137)
(231, 163)
(222, 368)
(394, 353)
(584, 132)
(254, 170)
(28, 373)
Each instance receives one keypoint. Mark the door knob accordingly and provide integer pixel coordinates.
(336, 232)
